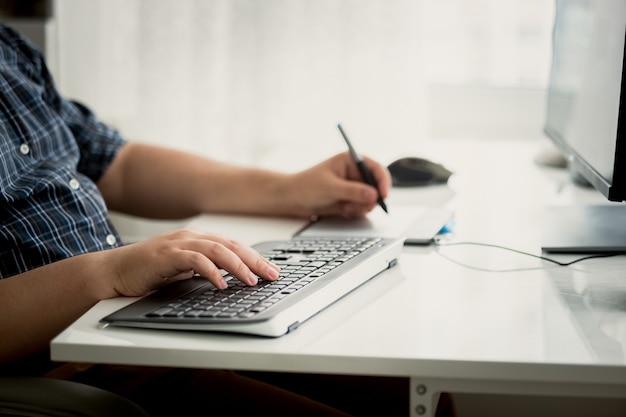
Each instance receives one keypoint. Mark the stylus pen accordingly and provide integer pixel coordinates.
(363, 169)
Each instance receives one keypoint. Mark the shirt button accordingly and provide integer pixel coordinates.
(74, 184)
(111, 240)
(24, 149)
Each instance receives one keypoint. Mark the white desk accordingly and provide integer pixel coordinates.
(444, 317)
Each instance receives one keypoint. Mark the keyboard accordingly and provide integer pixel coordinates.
(315, 272)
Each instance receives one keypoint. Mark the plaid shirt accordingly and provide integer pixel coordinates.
(52, 152)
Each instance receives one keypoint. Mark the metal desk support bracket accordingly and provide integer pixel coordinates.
(425, 392)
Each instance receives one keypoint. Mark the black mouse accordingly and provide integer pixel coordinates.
(415, 171)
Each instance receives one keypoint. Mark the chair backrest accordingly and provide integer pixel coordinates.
(47, 397)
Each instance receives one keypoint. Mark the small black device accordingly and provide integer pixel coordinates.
(415, 171)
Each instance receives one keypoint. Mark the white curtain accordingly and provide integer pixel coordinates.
(236, 78)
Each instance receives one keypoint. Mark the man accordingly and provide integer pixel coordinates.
(62, 170)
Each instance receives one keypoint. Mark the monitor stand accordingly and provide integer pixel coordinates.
(585, 229)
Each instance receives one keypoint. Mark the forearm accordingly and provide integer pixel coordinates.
(39, 304)
(155, 182)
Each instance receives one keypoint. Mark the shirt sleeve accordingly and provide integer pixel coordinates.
(98, 143)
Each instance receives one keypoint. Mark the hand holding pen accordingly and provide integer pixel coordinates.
(366, 174)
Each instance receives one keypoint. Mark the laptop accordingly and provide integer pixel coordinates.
(316, 271)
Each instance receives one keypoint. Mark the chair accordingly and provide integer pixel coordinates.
(46, 397)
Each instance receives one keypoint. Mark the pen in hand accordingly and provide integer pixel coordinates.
(366, 174)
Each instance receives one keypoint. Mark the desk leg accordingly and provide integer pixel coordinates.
(425, 392)
(424, 397)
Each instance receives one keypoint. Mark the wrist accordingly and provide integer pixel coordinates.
(287, 197)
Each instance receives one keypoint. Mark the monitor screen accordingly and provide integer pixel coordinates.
(584, 90)
(585, 114)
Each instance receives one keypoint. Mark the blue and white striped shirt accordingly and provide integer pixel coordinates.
(52, 153)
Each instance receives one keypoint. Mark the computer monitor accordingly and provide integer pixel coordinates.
(586, 120)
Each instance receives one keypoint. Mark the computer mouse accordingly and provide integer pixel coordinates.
(415, 171)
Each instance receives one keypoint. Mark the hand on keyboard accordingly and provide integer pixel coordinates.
(154, 263)
(302, 262)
